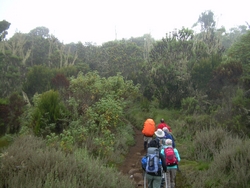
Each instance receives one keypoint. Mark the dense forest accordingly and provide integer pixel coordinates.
(59, 100)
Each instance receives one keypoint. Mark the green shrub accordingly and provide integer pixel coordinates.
(189, 105)
(29, 163)
(38, 80)
(208, 142)
(49, 114)
(185, 127)
(104, 119)
(5, 141)
(230, 167)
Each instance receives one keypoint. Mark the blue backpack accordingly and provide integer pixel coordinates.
(151, 162)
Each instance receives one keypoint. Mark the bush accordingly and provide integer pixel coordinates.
(189, 105)
(208, 142)
(44, 167)
(49, 114)
(230, 167)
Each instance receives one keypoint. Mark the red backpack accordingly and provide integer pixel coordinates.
(170, 157)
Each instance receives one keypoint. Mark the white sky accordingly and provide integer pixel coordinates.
(100, 21)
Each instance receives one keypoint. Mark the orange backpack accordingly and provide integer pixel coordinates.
(149, 127)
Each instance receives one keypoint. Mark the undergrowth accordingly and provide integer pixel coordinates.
(29, 163)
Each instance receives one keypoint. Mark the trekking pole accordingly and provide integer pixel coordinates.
(145, 180)
(166, 180)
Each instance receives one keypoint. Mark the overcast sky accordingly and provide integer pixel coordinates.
(100, 21)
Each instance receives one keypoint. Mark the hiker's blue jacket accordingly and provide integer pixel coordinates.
(176, 154)
(169, 136)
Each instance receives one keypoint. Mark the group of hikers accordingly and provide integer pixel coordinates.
(160, 163)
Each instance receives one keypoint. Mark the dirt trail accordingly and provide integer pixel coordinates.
(132, 164)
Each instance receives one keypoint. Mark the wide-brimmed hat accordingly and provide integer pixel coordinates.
(159, 133)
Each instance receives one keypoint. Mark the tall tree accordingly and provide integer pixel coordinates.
(4, 26)
(122, 56)
(10, 74)
(169, 65)
(17, 46)
(38, 80)
(233, 35)
(241, 52)
(206, 21)
(38, 42)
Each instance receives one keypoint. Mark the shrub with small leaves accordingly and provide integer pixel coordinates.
(103, 119)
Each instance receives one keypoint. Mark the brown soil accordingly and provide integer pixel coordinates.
(132, 164)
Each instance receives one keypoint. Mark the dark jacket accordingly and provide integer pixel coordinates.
(169, 136)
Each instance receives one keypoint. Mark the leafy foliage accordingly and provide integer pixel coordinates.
(10, 113)
(100, 104)
(202, 71)
(225, 75)
(4, 26)
(38, 80)
(240, 52)
(10, 74)
(88, 89)
(49, 114)
(206, 20)
(168, 64)
(103, 119)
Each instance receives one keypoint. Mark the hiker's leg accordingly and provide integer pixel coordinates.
(145, 145)
(150, 139)
(168, 178)
(172, 177)
(150, 180)
(145, 142)
(157, 182)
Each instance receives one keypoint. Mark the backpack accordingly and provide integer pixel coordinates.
(149, 128)
(170, 157)
(153, 164)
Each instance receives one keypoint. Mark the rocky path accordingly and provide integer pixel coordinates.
(132, 164)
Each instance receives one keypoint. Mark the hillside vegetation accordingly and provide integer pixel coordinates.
(68, 111)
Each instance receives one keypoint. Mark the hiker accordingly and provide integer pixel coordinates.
(168, 135)
(160, 136)
(154, 179)
(148, 132)
(172, 169)
(163, 124)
